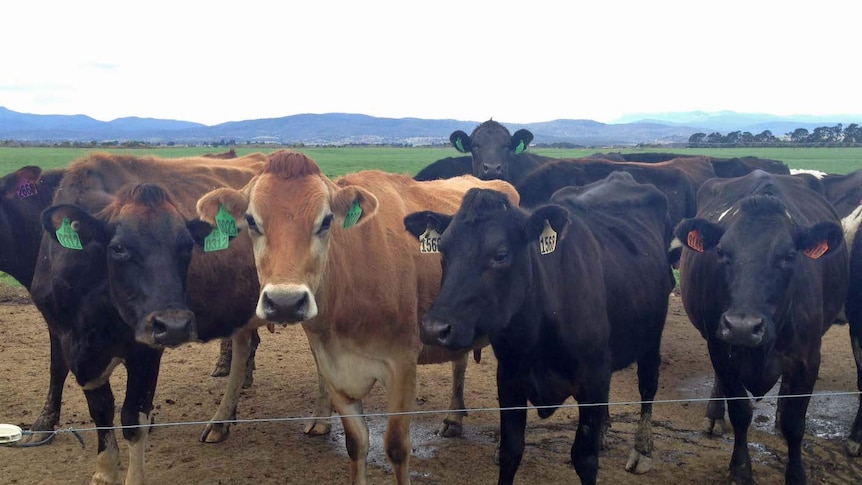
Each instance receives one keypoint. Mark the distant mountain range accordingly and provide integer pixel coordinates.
(342, 128)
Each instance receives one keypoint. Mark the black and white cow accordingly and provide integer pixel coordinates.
(567, 293)
(764, 277)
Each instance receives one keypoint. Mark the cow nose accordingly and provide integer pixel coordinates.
(492, 169)
(435, 332)
(285, 307)
(742, 329)
(173, 327)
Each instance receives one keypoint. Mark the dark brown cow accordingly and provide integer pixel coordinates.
(99, 252)
(222, 156)
(358, 291)
(764, 277)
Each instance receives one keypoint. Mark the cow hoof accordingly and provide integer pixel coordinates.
(102, 479)
(854, 448)
(638, 463)
(215, 433)
(450, 429)
(714, 427)
(222, 369)
(38, 435)
(248, 381)
(318, 427)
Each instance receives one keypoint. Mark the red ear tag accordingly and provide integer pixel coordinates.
(817, 251)
(695, 240)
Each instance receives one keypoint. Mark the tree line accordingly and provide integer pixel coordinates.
(837, 135)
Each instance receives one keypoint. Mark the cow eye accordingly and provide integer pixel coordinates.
(501, 256)
(252, 225)
(119, 252)
(324, 224)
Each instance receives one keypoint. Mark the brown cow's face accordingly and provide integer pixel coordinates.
(291, 222)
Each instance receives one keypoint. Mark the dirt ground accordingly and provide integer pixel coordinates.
(278, 452)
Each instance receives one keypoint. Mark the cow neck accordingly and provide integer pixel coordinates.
(24, 265)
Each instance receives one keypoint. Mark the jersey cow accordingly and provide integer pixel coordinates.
(332, 255)
(110, 241)
(567, 293)
(764, 276)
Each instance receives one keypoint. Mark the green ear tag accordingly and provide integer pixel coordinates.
(216, 241)
(459, 146)
(520, 148)
(225, 222)
(67, 236)
(352, 215)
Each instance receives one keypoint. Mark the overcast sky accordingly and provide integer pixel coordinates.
(518, 62)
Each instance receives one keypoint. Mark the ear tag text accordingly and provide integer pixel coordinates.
(429, 241)
(68, 237)
(817, 251)
(695, 240)
(225, 221)
(216, 241)
(25, 188)
(353, 215)
(548, 239)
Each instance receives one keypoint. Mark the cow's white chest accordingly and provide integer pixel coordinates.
(349, 372)
(103, 378)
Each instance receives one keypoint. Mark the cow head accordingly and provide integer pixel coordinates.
(487, 249)
(24, 194)
(757, 248)
(492, 147)
(292, 211)
(148, 247)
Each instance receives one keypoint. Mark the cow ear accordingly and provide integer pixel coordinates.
(521, 140)
(73, 227)
(461, 141)
(199, 230)
(555, 215)
(419, 222)
(353, 206)
(698, 234)
(21, 183)
(234, 201)
(821, 239)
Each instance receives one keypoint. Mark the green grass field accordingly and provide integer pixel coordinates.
(337, 160)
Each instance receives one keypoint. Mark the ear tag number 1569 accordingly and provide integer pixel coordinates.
(429, 241)
(547, 239)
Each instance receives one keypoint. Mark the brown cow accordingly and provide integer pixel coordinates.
(358, 292)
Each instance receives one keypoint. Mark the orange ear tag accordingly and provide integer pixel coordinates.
(817, 251)
(695, 240)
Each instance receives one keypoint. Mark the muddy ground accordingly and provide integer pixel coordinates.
(278, 452)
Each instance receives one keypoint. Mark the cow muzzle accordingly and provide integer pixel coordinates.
(742, 329)
(440, 333)
(492, 170)
(286, 304)
(171, 328)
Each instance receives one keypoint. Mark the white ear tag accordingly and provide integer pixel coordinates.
(429, 241)
(547, 239)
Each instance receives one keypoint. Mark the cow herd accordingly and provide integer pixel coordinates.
(563, 266)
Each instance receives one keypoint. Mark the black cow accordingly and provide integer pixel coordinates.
(25, 194)
(446, 168)
(853, 311)
(844, 191)
(740, 166)
(765, 277)
(496, 154)
(562, 321)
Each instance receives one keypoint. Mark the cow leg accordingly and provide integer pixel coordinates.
(142, 368)
(714, 423)
(453, 422)
(222, 367)
(800, 379)
(401, 396)
(513, 424)
(740, 413)
(50, 415)
(322, 423)
(640, 458)
(355, 436)
(854, 441)
(217, 429)
(100, 402)
(585, 449)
